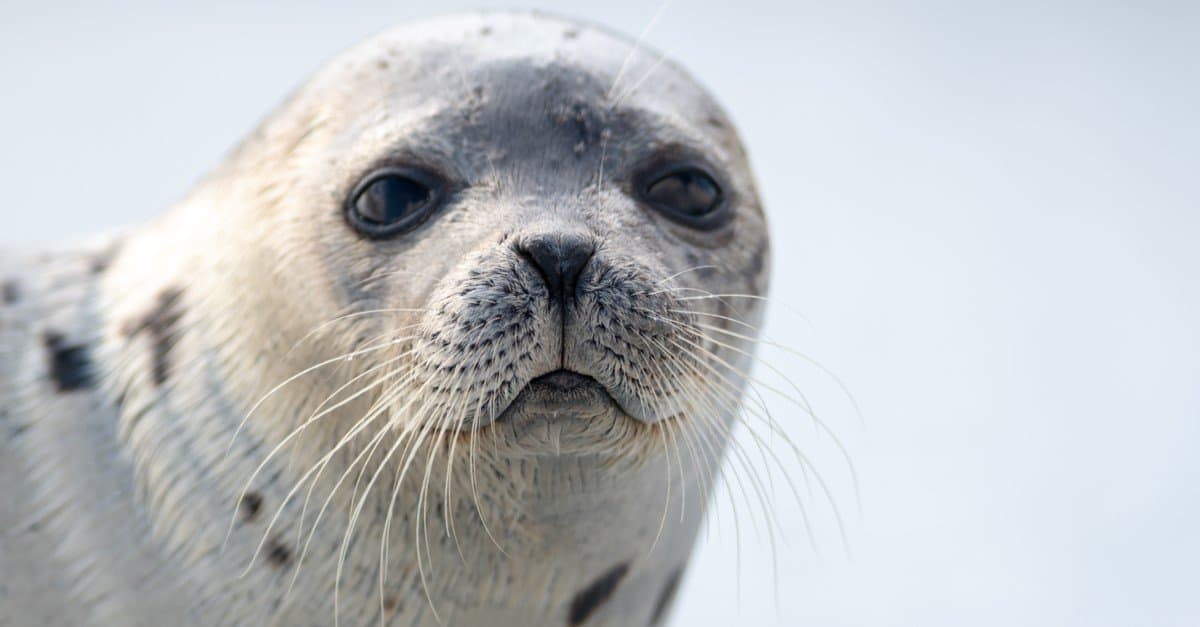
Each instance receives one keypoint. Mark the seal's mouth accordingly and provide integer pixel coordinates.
(561, 381)
(561, 393)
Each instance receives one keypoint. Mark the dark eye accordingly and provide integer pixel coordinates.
(688, 195)
(391, 202)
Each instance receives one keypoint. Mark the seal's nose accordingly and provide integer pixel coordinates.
(559, 258)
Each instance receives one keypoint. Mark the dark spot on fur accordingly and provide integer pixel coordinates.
(574, 114)
(757, 261)
(700, 266)
(582, 120)
(592, 597)
(485, 31)
(571, 33)
(250, 506)
(160, 323)
(102, 261)
(666, 596)
(70, 364)
(10, 292)
(391, 603)
(279, 555)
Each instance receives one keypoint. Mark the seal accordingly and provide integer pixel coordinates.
(456, 336)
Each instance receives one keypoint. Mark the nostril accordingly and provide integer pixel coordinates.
(532, 260)
(559, 258)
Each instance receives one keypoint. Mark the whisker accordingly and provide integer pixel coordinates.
(637, 44)
(338, 359)
(800, 455)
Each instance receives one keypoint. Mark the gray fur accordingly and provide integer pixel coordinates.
(127, 498)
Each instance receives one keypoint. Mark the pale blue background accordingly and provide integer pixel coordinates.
(987, 213)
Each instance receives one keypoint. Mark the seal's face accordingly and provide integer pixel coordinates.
(533, 226)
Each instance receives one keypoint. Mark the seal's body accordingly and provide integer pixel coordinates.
(451, 338)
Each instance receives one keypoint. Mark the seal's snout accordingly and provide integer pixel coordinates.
(559, 258)
(558, 321)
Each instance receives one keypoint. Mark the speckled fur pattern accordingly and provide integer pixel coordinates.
(245, 413)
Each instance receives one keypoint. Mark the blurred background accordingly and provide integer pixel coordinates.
(986, 218)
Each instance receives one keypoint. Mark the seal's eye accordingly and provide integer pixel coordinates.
(391, 202)
(688, 195)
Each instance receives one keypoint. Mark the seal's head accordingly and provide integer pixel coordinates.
(506, 218)
(527, 238)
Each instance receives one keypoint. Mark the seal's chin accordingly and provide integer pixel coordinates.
(560, 394)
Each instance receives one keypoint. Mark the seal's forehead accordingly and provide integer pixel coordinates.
(458, 53)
